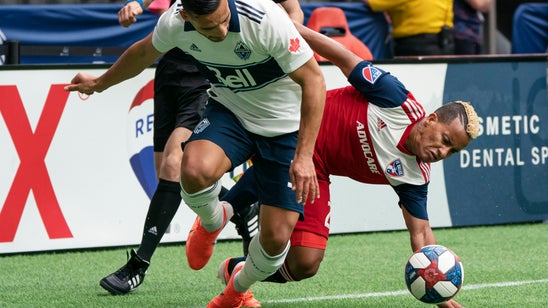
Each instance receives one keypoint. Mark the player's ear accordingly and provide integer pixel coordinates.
(431, 118)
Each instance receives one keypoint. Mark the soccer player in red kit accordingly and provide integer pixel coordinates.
(373, 131)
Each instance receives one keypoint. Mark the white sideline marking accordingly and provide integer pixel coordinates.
(405, 292)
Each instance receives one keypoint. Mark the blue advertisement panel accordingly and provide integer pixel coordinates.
(502, 176)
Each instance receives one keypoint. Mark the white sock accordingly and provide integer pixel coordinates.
(258, 265)
(206, 204)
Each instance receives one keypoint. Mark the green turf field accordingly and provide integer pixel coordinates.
(505, 266)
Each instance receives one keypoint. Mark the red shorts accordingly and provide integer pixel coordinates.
(313, 231)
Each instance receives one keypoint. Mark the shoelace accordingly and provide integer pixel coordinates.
(128, 270)
(123, 272)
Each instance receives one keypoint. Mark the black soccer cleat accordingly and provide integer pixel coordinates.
(128, 277)
(247, 224)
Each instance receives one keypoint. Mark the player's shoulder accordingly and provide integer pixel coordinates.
(253, 9)
(256, 11)
(171, 16)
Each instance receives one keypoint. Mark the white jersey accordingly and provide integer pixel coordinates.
(248, 69)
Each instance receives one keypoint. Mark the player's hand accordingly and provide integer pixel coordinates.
(303, 179)
(83, 83)
(450, 304)
(128, 14)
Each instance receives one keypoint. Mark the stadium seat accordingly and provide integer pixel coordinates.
(332, 22)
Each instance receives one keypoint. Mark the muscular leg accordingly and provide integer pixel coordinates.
(303, 262)
(308, 241)
(179, 100)
(168, 162)
(307, 249)
(269, 248)
(276, 227)
(162, 208)
(167, 197)
(203, 164)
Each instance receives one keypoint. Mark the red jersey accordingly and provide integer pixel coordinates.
(363, 131)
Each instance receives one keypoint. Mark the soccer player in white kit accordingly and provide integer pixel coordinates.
(266, 102)
(180, 96)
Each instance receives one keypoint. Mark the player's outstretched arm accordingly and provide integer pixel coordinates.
(421, 235)
(419, 231)
(330, 49)
(132, 62)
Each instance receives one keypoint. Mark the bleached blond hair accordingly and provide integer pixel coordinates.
(472, 127)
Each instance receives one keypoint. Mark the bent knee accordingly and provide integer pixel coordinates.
(304, 262)
(305, 270)
(196, 176)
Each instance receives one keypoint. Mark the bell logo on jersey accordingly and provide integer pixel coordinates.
(395, 168)
(246, 77)
(371, 74)
(240, 78)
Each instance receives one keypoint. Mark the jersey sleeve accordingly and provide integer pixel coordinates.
(161, 33)
(282, 40)
(413, 198)
(378, 86)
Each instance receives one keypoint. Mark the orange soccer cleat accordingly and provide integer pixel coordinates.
(223, 274)
(200, 242)
(230, 297)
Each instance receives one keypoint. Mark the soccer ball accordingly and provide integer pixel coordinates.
(434, 274)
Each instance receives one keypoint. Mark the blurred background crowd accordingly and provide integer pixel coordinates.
(414, 27)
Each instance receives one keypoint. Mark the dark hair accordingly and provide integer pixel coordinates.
(464, 112)
(201, 7)
(449, 112)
